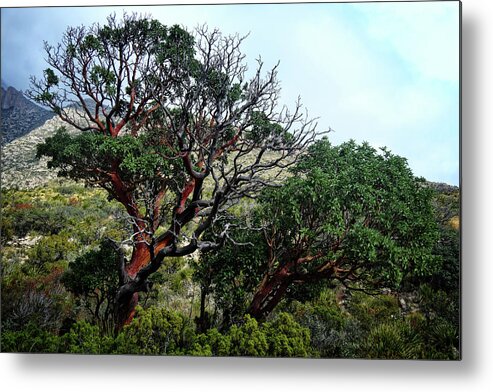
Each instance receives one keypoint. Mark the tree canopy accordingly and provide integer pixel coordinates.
(163, 113)
(349, 213)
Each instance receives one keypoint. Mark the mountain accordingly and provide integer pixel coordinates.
(19, 114)
(20, 167)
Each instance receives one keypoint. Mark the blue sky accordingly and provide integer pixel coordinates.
(386, 73)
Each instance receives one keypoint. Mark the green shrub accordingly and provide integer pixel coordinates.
(211, 343)
(248, 339)
(392, 340)
(287, 338)
(155, 331)
(371, 310)
(282, 337)
(332, 330)
(31, 339)
(52, 248)
(84, 338)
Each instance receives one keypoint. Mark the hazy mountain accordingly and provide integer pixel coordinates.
(19, 114)
(20, 167)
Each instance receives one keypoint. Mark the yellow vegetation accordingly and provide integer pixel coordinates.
(454, 222)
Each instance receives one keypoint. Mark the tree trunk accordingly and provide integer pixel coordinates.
(269, 294)
(125, 307)
(125, 310)
(203, 321)
(141, 257)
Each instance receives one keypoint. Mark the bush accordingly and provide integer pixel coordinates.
(155, 331)
(51, 249)
(287, 338)
(282, 337)
(37, 299)
(332, 330)
(392, 340)
(85, 338)
(248, 339)
(31, 339)
(211, 343)
(371, 310)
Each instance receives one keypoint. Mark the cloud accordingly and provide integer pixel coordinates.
(423, 34)
(382, 86)
(386, 73)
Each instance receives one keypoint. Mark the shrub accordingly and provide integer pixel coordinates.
(331, 329)
(155, 331)
(84, 338)
(287, 338)
(211, 343)
(371, 310)
(282, 337)
(391, 340)
(31, 339)
(248, 339)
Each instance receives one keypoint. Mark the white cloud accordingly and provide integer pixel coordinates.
(421, 33)
(376, 85)
(386, 73)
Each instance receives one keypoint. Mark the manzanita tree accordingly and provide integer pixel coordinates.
(350, 214)
(172, 126)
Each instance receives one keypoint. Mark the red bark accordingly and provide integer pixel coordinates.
(141, 256)
(270, 292)
(275, 284)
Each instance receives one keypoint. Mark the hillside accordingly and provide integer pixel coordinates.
(20, 167)
(19, 115)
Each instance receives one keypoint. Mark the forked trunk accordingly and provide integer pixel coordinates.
(126, 303)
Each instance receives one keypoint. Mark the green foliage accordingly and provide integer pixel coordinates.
(394, 340)
(372, 310)
(80, 212)
(48, 228)
(155, 331)
(248, 339)
(281, 337)
(94, 271)
(31, 339)
(33, 296)
(287, 338)
(83, 338)
(79, 156)
(332, 331)
(52, 248)
(93, 278)
(360, 207)
(211, 343)
(100, 47)
(232, 273)
(264, 130)
(51, 78)
(162, 332)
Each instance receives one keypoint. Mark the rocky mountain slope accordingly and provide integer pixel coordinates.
(19, 114)
(20, 167)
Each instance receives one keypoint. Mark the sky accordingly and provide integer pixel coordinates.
(385, 73)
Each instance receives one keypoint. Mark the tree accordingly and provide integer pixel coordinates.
(349, 214)
(93, 278)
(172, 128)
(230, 275)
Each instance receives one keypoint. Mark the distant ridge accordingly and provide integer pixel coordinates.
(19, 115)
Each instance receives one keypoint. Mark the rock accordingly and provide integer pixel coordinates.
(19, 114)
(20, 167)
